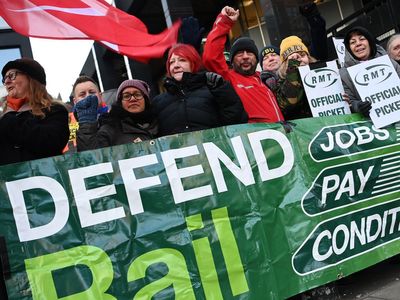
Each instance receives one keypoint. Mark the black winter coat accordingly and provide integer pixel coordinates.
(189, 105)
(117, 128)
(26, 137)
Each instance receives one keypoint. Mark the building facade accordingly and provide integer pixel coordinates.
(12, 46)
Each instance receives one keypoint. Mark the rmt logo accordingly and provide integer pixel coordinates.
(321, 78)
(373, 75)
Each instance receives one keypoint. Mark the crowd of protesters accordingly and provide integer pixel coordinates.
(201, 92)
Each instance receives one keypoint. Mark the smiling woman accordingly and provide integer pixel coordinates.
(360, 47)
(32, 125)
(194, 99)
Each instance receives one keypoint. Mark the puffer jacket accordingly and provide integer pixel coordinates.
(25, 136)
(348, 85)
(190, 105)
(117, 128)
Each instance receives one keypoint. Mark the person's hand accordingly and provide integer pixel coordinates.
(293, 64)
(191, 32)
(346, 98)
(231, 13)
(364, 107)
(86, 109)
(270, 79)
(213, 80)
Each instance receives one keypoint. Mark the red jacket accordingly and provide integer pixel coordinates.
(258, 101)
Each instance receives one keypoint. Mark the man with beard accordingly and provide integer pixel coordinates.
(258, 100)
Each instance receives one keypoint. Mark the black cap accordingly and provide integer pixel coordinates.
(363, 31)
(241, 44)
(27, 65)
(267, 50)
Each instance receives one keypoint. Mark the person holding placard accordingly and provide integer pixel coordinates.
(290, 94)
(360, 47)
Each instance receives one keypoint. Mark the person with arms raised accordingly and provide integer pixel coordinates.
(258, 100)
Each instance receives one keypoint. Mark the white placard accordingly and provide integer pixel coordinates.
(340, 50)
(324, 90)
(377, 81)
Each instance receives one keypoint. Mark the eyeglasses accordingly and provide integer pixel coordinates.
(128, 96)
(12, 75)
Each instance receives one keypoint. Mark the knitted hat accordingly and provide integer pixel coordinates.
(28, 66)
(267, 50)
(136, 83)
(292, 44)
(241, 44)
(362, 31)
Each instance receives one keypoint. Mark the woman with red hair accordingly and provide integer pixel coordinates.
(194, 99)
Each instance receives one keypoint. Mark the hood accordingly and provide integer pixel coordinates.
(349, 59)
(363, 31)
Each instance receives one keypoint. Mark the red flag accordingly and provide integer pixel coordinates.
(87, 19)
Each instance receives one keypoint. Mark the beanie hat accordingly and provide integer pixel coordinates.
(361, 30)
(241, 44)
(136, 83)
(267, 50)
(292, 44)
(28, 66)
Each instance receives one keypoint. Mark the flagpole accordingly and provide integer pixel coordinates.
(128, 67)
(126, 59)
(96, 65)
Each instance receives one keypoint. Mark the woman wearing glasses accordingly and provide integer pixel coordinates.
(32, 124)
(130, 119)
(194, 99)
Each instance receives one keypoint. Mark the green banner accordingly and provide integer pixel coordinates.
(254, 211)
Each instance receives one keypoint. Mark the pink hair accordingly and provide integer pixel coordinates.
(188, 52)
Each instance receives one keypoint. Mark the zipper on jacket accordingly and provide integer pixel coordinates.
(186, 113)
(274, 104)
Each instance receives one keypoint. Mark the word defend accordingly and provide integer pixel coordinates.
(324, 90)
(376, 81)
(83, 196)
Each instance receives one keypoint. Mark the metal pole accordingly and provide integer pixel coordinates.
(259, 24)
(340, 9)
(96, 65)
(128, 67)
(126, 59)
(166, 13)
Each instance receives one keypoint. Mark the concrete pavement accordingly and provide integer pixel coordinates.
(379, 282)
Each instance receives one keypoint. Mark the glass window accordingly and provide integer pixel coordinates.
(3, 24)
(7, 54)
(250, 13)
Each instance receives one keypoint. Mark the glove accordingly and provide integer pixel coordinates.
(86, 109)
(364, 107)
(270, 79)
(213, 80)
(191, 33)
(293, 65)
